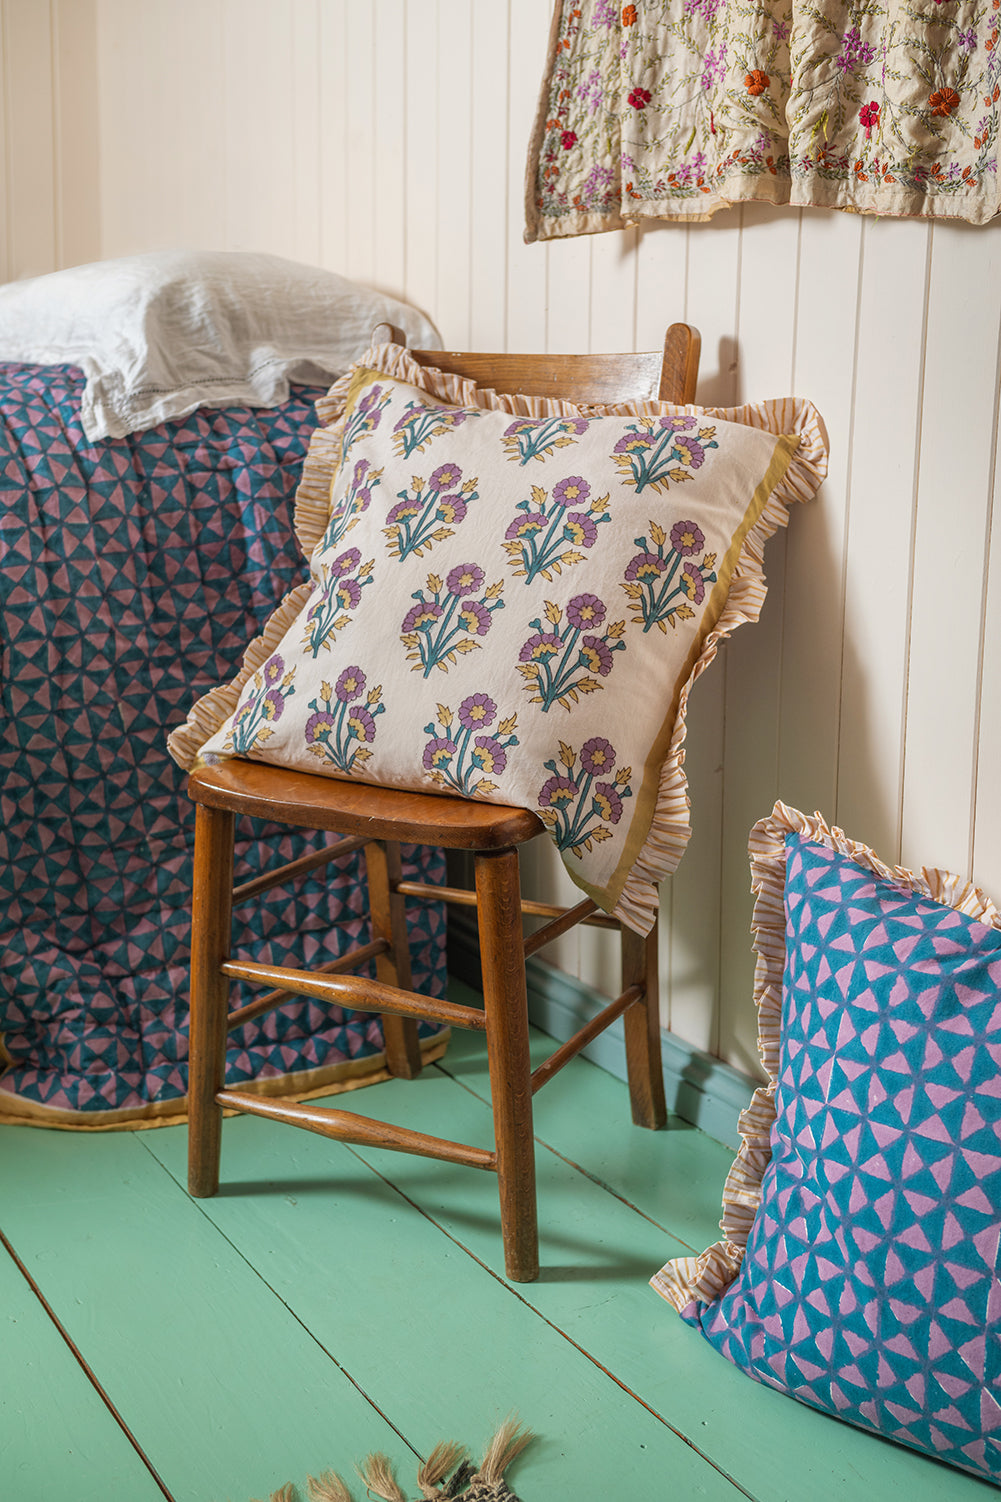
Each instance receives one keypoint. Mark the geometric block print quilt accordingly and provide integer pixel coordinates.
(859, 1266)
(134, 571)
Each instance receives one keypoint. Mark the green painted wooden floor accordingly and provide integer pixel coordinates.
(331, 1301)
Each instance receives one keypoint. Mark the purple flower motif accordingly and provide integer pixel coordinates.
(525, 526)
(693, 583)
(488, 754)
(319, 726)
(475, 618)
(607, 802)
(274, 668)
(557, 792)
(451, 508)
(580, 529)
(573, 491)
(540, 646)
(715, 66)
(519, 426)
(854, 52)
(350, 685)
(345, 563)
(465, 579)
(438, 752)
(597, 655)
(361, 724)
(968, 39)
(691, 451)
(645, 566)
(780, 30)
(422, 616)
(597, 755)
(686, 538)
(679, 423)
(477, 712)
(272, 704)
(404, 511)
(369, 399)
(445, 477)
(348, 594)
(586, 612)
(632, 442)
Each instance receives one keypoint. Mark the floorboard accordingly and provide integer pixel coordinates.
(332, 1300)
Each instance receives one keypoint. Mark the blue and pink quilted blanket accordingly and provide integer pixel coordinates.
(132, 574)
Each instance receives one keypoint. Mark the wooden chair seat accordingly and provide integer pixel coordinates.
(378, 820)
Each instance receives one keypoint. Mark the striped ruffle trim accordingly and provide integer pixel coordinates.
(685, 1280)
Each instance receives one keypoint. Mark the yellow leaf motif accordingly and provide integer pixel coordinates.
(709, 561)
(434, 584)
(506, 727)
(553, 613)
(326, 692)
(567, 755)
(374, 695)
(494, 590)
(416, 484)
(538, 495)
(616, 629)
(684, 612)
(601, 504)
(658, 534)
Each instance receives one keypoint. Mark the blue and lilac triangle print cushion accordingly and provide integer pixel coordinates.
(859, 1266)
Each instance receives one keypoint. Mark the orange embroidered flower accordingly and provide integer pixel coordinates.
(756, 82)
(629, 15)
(943, 102)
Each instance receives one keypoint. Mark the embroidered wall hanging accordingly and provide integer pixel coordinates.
(674, 109)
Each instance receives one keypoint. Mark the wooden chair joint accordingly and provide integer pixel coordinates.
(572, 1047)
(365, 1131)
(568, 919)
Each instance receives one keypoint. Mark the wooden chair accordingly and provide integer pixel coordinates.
(378, 820)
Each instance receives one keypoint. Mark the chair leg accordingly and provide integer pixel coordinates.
(211, 909)
(506, 1004)
(641, 1021)
(389, 921)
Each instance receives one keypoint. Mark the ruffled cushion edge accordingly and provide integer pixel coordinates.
(670, 828)
(687, 1280)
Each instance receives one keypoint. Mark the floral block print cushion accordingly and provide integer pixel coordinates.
(858, 1268)
(513, 607)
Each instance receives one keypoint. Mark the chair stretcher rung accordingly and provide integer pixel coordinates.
(356, 991)
(289, 872)
(463, 897)
(572, 1047)
(350, 961)
(346, 1126)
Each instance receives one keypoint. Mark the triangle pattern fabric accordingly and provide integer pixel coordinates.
(135, 569)
(868, 1281)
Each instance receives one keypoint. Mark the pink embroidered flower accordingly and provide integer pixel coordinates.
(639, 98)
(568, 139)
(869, 117)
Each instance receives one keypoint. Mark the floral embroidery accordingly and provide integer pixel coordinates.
(565, 659)
(430, 513)
(341, 732)
(886, 108)
(663, 585)
(657, 451)
(364, 418)
(529, 438)
(356, 499)
(448, 617)
(341, 582)
(546, 538)
(577, 805)
(262, 707)
(420, 425)
(457, 757)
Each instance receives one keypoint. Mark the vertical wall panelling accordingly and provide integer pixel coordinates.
(613, 290)
(489, 175)
(986, 863)
(453, 103)
(259, 181)
(387, 163)
(306, 138)
(423, 85)
(879, 542)
(526, 264)
(661, 281)
(77, 195)
(332, 187)
(29, 110)
(953, 496)
(825, 359)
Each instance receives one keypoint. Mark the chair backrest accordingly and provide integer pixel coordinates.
(669, 376)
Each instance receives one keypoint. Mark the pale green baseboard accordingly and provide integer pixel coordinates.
(699, 1088)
